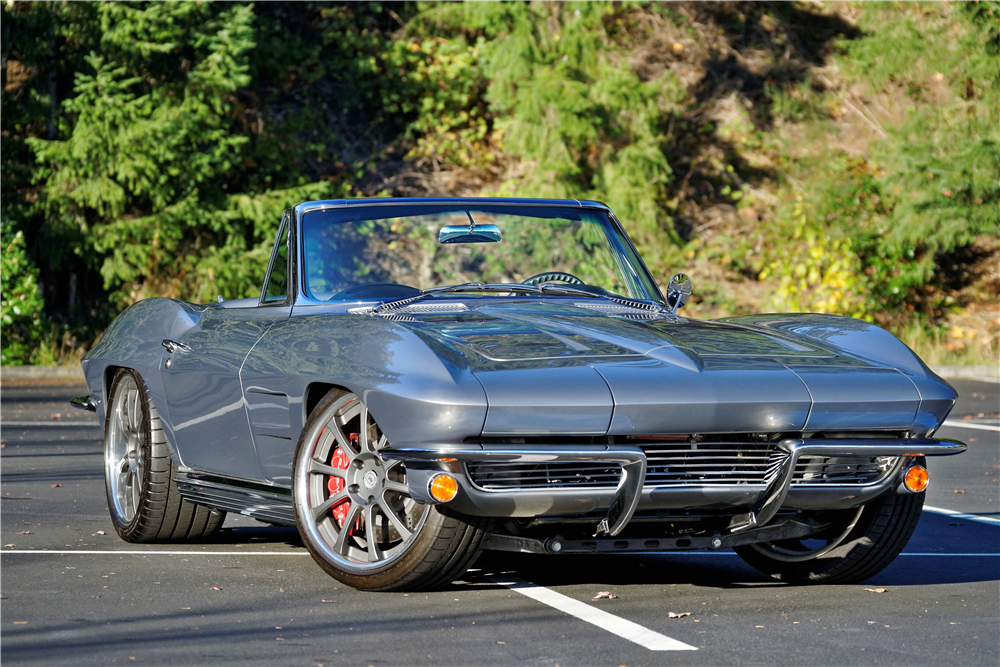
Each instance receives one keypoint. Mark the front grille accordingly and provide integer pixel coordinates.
(853, 470)
(721, 462)
(707, 463)
(513, 476)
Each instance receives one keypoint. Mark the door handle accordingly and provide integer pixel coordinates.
(173, 346)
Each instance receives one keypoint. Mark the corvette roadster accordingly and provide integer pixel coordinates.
(423, 379)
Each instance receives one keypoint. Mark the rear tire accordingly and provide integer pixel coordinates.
(355, 514)
(143, 499)
(882, 530)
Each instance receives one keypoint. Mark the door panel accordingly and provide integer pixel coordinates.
(208, 414)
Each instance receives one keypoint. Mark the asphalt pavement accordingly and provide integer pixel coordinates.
(74, 593)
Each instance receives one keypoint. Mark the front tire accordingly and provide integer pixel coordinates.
(860, 546)
(143, 499)
(355, 514)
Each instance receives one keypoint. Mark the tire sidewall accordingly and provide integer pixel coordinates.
(126, 530)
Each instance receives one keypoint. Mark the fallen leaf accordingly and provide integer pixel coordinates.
(605, 595)
(56, 486)
(26, 532)
(671, 614)
(55, 416)
(876, 590)
(959, 491)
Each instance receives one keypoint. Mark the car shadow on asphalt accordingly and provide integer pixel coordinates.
(256, 535)
(936, 554)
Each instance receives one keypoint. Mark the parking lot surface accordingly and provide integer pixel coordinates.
(74, 593)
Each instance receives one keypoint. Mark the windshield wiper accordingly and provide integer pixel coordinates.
(395, 304)
(547, 288)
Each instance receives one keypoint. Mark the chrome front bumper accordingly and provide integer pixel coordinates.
(761, 500)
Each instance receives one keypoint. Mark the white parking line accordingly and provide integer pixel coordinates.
(978, 427)
(65, 552)
(43, 424)
(993, 521)
(633, 632)
(54, 552)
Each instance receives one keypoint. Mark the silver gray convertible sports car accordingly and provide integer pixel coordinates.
(423, 379)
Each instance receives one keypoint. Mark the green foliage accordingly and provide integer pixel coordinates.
(149, 148)
(146, 171)
(21, 301)
(570, 106)
(439, 83)
(942, 163)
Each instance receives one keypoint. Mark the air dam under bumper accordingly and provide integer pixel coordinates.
(762, 500)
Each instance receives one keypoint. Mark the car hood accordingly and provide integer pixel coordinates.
(539, 331)
(594, 367)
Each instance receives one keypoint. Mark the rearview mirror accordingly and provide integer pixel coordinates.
(678, 291)
(469, 234)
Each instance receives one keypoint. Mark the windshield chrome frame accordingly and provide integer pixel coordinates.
(298, 282)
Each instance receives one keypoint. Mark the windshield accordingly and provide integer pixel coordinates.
(396, 251)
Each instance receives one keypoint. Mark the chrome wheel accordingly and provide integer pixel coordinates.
(354, 505)
(126, 449)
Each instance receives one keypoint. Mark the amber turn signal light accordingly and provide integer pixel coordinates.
(444, 488)
(916, 479)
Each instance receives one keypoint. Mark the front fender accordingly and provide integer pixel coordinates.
(134, 340)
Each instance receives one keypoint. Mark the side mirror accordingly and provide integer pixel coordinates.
(678, 291)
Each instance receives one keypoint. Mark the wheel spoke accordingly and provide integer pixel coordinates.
(341, 545)
(136, 491)
(129, 412)
(349, 414)
(120, 488)
(345, 446)
(375, 553)
(397, 523)
(129, 500)
(122, 477)
(399, 487)
(323, 441)
(364, 441)
(122, 426)
(328, 504)
(317, 468)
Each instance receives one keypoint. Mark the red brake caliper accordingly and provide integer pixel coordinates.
(335, 484)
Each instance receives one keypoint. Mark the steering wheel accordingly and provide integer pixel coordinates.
(549, 276)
